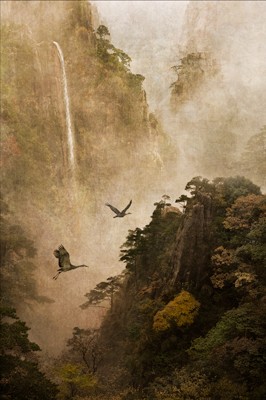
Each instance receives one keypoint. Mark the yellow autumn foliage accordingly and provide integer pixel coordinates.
(181, 311)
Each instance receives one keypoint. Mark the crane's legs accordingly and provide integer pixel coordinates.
(56, 276)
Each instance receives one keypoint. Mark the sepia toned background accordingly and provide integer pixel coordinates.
(190, 103)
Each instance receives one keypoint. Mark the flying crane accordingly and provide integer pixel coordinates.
(64, 261)
(119, 214)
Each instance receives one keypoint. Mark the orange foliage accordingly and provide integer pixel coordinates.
(245, 211)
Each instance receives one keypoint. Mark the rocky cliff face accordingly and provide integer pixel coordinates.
(215, 106)
(118, 146)
(108, 107)
(41, 20)
(172, 255)
(191, 256)
(178, 265)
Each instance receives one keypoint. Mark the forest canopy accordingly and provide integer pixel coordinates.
(166, 338)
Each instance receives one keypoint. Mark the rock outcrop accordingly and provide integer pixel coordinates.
(190, 258)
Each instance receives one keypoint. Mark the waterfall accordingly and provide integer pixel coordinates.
(70, 135)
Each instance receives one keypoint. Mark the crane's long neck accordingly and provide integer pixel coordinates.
(78, 266)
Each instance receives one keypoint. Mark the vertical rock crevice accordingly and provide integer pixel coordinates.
(190, 259)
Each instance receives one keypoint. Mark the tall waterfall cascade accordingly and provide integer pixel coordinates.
(70, 134)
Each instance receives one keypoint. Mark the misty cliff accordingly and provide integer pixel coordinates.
(108, 107)
(190, 277)
(216, 100)
(76, 132)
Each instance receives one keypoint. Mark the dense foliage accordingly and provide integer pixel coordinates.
(21, 378)
(181, 311)
(171, 333)
(205, 341)
(75, 370)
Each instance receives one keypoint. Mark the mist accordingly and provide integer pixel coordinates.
(150, 34)
(155, 35)
(232, 101)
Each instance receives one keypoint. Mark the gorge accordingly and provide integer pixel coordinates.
(111, 101)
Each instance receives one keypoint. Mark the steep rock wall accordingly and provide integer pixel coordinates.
(115, 154)
(108, 106)
(219, 95)
(190, 258)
